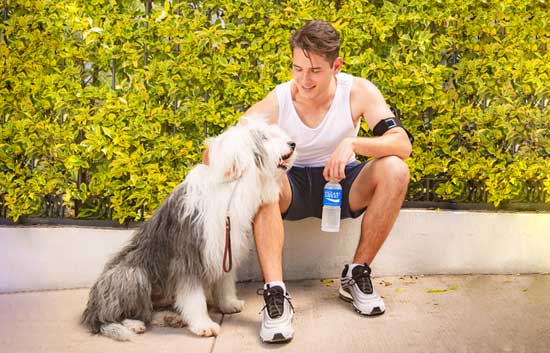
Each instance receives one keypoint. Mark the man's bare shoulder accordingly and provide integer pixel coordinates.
(267, 109)
(362, 86)
(368, 101)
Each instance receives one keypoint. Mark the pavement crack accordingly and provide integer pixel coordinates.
(213, 347)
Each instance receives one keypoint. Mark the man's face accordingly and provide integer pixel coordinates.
(313, 75)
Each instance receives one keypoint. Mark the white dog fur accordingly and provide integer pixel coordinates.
(179, 251)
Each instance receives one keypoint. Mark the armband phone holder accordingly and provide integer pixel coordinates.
(388, 124)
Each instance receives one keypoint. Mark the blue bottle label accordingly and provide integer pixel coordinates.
(332, 197)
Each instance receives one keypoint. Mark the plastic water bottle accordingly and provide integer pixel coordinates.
(332, 200)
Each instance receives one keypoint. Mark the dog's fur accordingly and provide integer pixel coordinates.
(179, 250)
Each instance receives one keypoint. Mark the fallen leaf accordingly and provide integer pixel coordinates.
(327, 282)
(435, 291)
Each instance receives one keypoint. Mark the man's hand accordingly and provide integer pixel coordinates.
(205, 159)
(336, 164)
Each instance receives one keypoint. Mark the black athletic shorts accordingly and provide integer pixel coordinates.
(307, 185)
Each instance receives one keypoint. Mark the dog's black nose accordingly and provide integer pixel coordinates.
(292, 145)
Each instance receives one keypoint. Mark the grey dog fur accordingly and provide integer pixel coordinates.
(165, 249)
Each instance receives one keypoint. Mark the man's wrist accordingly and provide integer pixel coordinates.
(353, 141)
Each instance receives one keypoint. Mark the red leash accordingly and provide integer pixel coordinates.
(227, 249)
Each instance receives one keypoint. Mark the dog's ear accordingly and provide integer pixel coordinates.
(233, 172)
(224, 159)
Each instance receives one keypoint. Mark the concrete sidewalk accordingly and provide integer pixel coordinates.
(476, 313)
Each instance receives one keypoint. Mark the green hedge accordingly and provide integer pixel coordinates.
(108, 102)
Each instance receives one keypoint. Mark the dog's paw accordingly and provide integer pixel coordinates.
(231, 306)
(117, 332)
(205, 328)
(167, 319)
(135, 326)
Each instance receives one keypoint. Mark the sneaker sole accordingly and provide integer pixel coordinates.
(278, 338)
(376, 311)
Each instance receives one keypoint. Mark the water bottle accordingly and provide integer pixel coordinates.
(332, 200)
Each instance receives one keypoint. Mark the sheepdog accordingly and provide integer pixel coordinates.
(179, 251)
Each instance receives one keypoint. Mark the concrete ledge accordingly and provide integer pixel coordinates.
(421, 242)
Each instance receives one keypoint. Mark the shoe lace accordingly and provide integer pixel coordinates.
(274, 301)
(363, 281)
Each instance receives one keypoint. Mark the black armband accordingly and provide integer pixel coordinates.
(388, 124)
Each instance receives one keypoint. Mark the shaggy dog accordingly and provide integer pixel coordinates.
(179, 251)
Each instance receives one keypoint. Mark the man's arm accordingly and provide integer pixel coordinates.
(267, 108)
(394, 142)
(373, 108)
(205, 159)
(368, 102)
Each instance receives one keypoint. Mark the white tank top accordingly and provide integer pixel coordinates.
(315, 145)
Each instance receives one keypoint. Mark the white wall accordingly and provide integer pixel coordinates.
(421, 242)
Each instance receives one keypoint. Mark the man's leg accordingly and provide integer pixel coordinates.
(381, 187)
(269, 235)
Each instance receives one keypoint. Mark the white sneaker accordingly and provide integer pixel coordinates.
(358, 290)
(277, 315)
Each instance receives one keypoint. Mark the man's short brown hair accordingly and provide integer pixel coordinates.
(318, 37)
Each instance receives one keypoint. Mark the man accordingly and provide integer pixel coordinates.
(321, 110)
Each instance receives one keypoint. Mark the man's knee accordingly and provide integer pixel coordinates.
(267, 212)
(285, 195)
(277, 207)
(394, 170)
